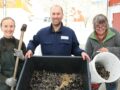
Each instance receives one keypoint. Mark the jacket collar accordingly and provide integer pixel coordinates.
(51, 28)
(110, 34)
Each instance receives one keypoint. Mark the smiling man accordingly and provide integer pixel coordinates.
(56, 39)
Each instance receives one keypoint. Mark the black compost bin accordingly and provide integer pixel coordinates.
(55, 64)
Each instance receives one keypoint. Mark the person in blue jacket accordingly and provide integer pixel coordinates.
(56, 39)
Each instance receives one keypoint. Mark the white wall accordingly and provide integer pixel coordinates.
(39, 11)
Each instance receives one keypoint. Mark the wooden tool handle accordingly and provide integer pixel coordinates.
(23, 29)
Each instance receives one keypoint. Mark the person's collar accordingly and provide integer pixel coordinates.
(59, 30)
(110, 34)
(9, 39)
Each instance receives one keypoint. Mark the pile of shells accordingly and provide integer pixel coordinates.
(102, 71)
(46, 80)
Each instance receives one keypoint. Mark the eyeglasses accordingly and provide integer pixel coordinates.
(100, 27)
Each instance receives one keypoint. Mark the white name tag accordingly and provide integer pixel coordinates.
(65, 37)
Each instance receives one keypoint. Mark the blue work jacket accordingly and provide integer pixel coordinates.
(61, 43)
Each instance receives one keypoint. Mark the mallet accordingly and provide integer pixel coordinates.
(23, 29)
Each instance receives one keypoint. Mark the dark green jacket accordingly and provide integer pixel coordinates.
(7, 60)
(112, 42)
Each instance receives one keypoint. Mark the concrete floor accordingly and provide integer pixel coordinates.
(102, 87)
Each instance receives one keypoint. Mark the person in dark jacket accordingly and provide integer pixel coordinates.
(56, 39)
(103, 39)
(8, 53)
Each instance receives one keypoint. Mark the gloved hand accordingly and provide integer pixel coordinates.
(19, 54)
(11, 82)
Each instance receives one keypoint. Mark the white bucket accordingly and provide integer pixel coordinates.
(110, 62)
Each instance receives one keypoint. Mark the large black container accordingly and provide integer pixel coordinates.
(67, 64)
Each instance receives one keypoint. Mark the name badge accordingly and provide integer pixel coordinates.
(65, 37)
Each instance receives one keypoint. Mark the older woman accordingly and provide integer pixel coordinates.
(103, 39)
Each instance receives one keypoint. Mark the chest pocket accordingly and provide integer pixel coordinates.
(66, 45)
(56, 48)
(46, 47)
(65, 42)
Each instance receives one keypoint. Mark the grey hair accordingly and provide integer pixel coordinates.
(100, 19)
